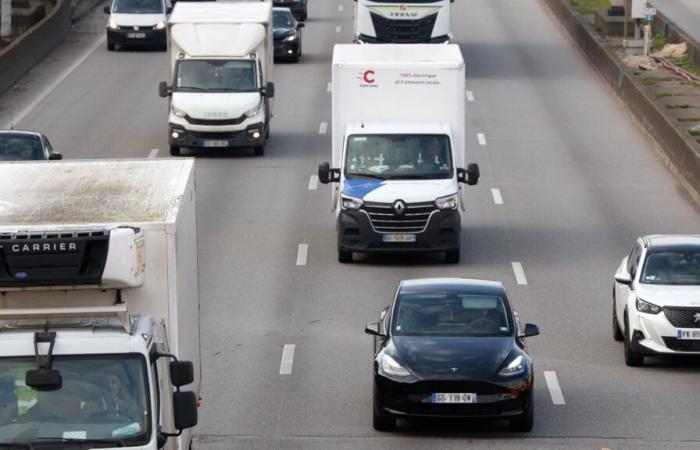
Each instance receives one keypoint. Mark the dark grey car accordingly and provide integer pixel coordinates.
(18, 145)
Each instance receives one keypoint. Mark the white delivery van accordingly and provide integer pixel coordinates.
(402, 22)
(398, 149)
(99, 315)
(221, 84)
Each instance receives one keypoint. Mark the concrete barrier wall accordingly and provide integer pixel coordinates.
(33, 46)
(681, 151)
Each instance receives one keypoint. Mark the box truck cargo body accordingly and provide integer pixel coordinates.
(398, 148)
(402, 22)
(221, 75)
(99, 299)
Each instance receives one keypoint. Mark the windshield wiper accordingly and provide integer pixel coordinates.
(409, 177)
(194, 88)
(62, 440)
(366, 175)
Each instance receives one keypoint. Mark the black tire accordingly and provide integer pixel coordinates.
(174, 150)
(110, 46)
(344, 257)
(632, 358)
(617, 334)
(452, 256)
(259, 150)
(526, 420)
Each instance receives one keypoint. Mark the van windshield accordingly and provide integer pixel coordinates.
(137, 7)
(100, 398)
(215, 75)
(398, 156)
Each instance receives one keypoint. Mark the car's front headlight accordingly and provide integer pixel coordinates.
(389, 367)
(178, 112)
(515, 367)
(449, 202)
(159, 26)
(351, 202)
(291, 38)
(254, 111)
(112, 25)
(647, 307)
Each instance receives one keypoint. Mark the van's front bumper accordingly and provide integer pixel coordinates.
(356, 234)
(150, 37)
(252, 136)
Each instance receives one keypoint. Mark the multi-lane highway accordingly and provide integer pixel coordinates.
(686, 13)
(285, 361)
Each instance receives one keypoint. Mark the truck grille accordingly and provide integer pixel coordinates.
(386, 220)
(403, 31)
(683, 318)
(216, 122)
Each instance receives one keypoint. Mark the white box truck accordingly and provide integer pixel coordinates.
(99, 314)
(398, 149)
(221, 75)
(402, 22)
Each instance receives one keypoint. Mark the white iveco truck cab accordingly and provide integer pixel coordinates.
(398, 148)
(99, 327)
(402, 21)
(221, 86)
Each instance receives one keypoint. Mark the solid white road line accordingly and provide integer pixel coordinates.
(481, 137)
(329, 88)
(338, 29)
(341, 8)
(302, 254)
(497, 198)
(554, 388)
(18, 117)
(287, 359)
(519, 273)
(470, 96)
(313, 182)
(323, 128)
(153, 153)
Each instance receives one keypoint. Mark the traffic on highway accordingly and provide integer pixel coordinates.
(224, 211)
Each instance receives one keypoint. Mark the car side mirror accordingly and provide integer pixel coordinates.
(184, 410)
(301, 25)
(269, 90)
(623, 278)
(53, 156)
(373, 329)
(107, 10)
(164, 90)
(181, 373)
(531, 330)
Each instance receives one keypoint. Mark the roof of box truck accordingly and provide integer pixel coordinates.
(91, 191)
(221, 12)
(395, 54)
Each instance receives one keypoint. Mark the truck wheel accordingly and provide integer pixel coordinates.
(175, 150)
(452, 256)
(259, 150)
(344, 257)
(110, 46)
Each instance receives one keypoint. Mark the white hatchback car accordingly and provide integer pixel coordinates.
(656, 298)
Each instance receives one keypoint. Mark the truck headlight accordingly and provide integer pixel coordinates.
(351, 202)
(112, 25)
(159, 26)
(291, 38)
(178, 112)
(449, 202)
(253, 112)
(647, 307)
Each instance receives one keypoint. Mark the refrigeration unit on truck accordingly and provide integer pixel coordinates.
(402, 22)
(99, 315)
(221, 75)
(398, 149)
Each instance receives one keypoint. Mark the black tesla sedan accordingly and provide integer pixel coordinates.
(451, 347)
(287, 34)
(16, 145)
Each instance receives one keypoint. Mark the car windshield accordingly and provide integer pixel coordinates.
(100, 397)
(20, 148)
(451, 315)
(215, 75)
(680, 267)
(137, 7)
(398, 156)
(281, 19)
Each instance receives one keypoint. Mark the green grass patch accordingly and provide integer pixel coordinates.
(663, 94)
(689, 119)
(589, 6)
(694, 133)
(650, 81)
(686, 63)
(659, 41)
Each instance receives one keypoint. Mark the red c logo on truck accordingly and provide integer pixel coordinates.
(368, 76)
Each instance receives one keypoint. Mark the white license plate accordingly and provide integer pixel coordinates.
(215, 143)
(454, 398)
(399, 238)
(688, 335)
(136, 35)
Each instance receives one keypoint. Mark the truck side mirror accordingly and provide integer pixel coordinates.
(184, 410)
(181, 373)
(326, 174)
(53, 156)
(168, 10)
(164, 90)
(269, 90)
(472, 174)
(107, 10)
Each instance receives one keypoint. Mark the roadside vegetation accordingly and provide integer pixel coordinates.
(589, 6)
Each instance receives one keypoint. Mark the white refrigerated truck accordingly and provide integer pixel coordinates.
(221, 75)
(398, 149)
(402, 21)
(99, 314)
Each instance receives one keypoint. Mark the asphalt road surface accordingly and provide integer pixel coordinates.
(686, 13)
(579, 180)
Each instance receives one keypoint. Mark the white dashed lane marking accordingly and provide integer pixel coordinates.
(481, 137)
(153, 153)
(470, 96)
(302, 254)
(497, 198)
(287, 359)
(323, 128)
(313, 182)
(519, 273)
(341, 8)
(554, 388)
(338, 29)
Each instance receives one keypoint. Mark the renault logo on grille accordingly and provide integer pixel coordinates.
(399, 207)
(696, 317)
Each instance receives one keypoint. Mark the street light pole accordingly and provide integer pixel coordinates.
(5, 18)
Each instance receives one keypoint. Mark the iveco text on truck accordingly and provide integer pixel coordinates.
(398, 148)
(221, 86)
(99, 327)
(402, 21)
